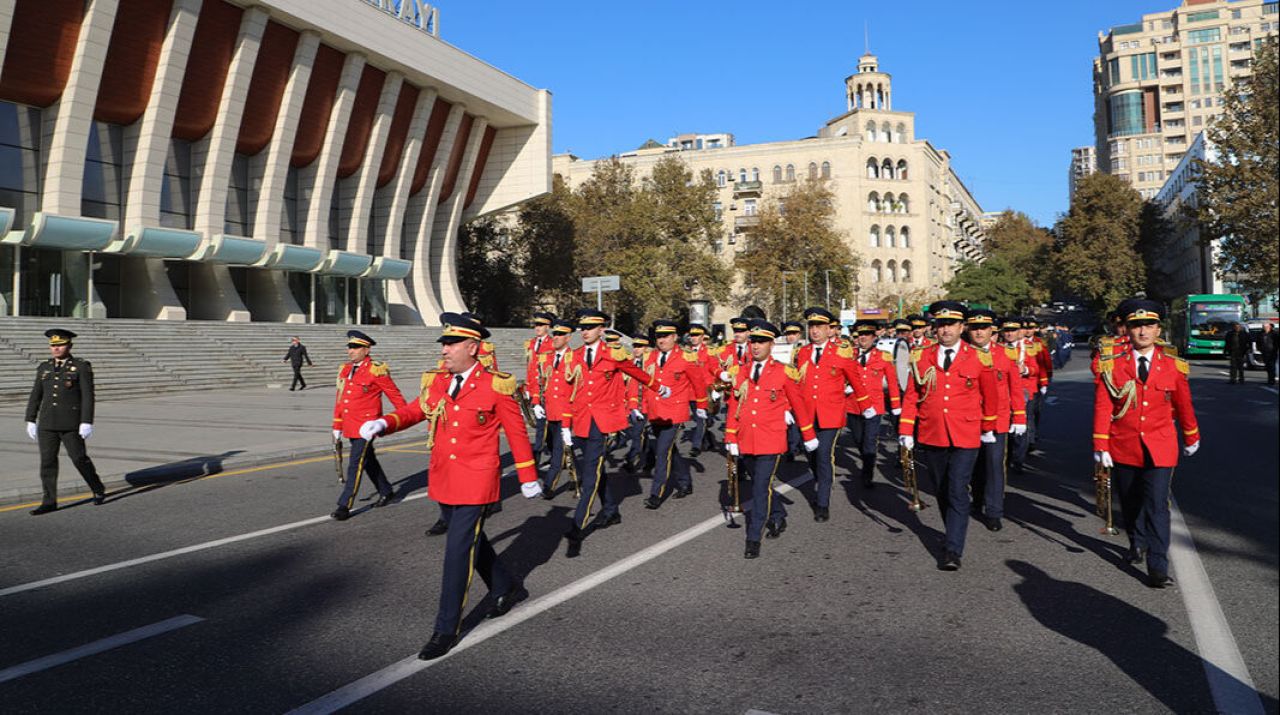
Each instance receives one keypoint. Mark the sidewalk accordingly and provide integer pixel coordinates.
(173, 436)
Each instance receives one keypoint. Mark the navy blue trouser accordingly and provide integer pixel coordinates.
(539, 436)
(951, 469)
(795, 443)
(1144, 509)
(699, 425)
(467, 551)
(822, 461)
(371, 467)
(635, 434)
(1033, 418)
(765, 502)
(1020, 444)
(668, 463)
(555, 443)
(594, 480)
(866, 434)
(988, 476)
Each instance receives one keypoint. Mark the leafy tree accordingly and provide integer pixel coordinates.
(1025, 248)
(995, 282)
(491, 260)
(545, 229)
(1238, 192)
(1095, 251)
(1155, 237)
(796, 235)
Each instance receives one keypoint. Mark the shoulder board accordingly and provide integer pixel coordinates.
(916, 353)
(504, 383)
(620, 353)
(485, 360)
(984, 357)
(1106, 340)
(1169, 350)
(691, 356)
(528, 343)
(793, 373)
(379, 369)
(1183, 366)
(845, 350)
(429, 377)
(485, 344)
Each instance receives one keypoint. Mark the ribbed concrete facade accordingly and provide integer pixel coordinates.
(285, 160)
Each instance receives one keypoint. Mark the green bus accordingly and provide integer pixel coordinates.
(1199, 323)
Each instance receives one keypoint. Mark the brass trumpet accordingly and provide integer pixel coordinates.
(1102, 497)
(907, 458)
(731, 472)
(337, 460)
(567, 465)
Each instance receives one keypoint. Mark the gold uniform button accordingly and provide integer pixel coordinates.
(945, 409)
(453, 440)
(455, 424)
(453, 456)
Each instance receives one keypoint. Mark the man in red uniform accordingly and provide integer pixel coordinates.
(551, 400)
(465, 404)
(637, 449)
(1025, 381)
(1139, 396)
(361, 384)
(875, 372)
(539, 344)
(1011, 417)
(827, 375)
(919, 330)
(596, 410)
(698, 344)
(764, 401)
(679, 370)
(951, 404)
(1044, 369)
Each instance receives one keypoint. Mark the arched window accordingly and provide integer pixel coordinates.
(900, 135)
(875, 236)
(905, 235)
(722, 178)
(886, 169)
(873, 169)
(890, 240)
(902, 169)
(906, 270)
(884, 133)
(873, 202)
(742, 175)
(877, 273)
(904, 204)
(887, 205)
(893, 272)
(813, 171)
(871, 131)
(777, 174)
(791, 172)
(755, 174)
(826, 170)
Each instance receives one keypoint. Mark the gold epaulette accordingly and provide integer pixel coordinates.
(620, 353)
(486, 361)
(379, 369)
(429, 377)
(916, 353)
(691, 356)
(984, 357)
(845, 350)
(793, 373)
(504, 383)
(1169, 350)
(1106, 362)
(486, 345)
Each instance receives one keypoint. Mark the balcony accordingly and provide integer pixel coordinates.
(747, 188)
(741, 223)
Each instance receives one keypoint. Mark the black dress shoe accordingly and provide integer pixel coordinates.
(383, 500)
(821, 514)
(1158, 579)
(993, 523)
(652, 502)
(439, 644)
(950, 562)
(752, 551)
(603, 522)
(681, 492)
(629, 466)
(441, 526)
(695, 453)
(340, 514)
(503, 603)
(775, 528)
(99, 498)
(1137, 556)
(44, 509)
(547, 492)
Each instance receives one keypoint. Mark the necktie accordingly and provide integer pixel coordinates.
(1142, 369)
(457, 385)
(352, 375)
(946, 360)
(863, 359)
(739, 353)
(817, 355)
(662, 360)
(755, 374)
(537, 344)
(589, 351)
(557, 365)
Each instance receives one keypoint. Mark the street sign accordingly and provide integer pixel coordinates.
(594, 284)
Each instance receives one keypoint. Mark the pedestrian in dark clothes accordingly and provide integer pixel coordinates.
(297, 353)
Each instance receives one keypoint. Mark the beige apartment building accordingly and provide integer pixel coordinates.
(1159, 81)
(899, 202)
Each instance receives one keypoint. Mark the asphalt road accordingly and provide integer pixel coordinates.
(659, 614)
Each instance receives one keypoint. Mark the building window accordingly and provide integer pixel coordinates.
(873, 169)
(900, 133)
(102, 190)
(755, 174)
(1125, 113)
(791, 172)
(813, 171)
(904, 204)
(777, 174)
(239, 222)
(826, 170)
(1113, 71)
(871, 131)
(886, 169)
(905, 235)
(1202, 16)
(742, 175)
(749, 207)
(890, 240)
(887, 204)
(906, 270)
(874, 237)
(1143, 66)
(722, 178)
(175, 189)
(873, 202)
(877, 272)
(20, 131)
(902, 169)
(719, 209)
(1199, 37)
(893, 271)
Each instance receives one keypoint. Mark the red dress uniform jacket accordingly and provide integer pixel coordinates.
(635, 394)
(687, 380)
(1029, 383)
(877, 372)
(465, 462)
(727, 356)
(756, 419)
(951, 408)
(594, 395)
(554, 390)
(1129, 415)
(532, 351)
(1012, 403)
(360, 398)
(1044, 361)
(823, 384)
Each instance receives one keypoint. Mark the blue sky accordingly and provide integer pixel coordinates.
(997, 84)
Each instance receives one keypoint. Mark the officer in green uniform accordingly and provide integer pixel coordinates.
(60, 412)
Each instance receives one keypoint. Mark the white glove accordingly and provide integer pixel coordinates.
(637, 414)
(897, 411)
(715, 395)
(724, 376)
(733, 449)
(664, 392)
(1018, 429)
(848, 389)
(372, 429)
(907, 441)
(701, 413)
(1044, 390)
(1104, 458)
(811, 445)
(531, 489)
(337, 435)
(1191, 448)
(790, 418)
(566, 436)
(86, 430)
(31, 430)
(539, 412)
(869, 413)
(988, 438)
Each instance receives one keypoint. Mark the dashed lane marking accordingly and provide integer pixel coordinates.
(96, 647)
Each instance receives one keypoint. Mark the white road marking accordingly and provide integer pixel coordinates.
(20, 588)
(96, 647)
(1229, 681)
(368, 685)
(1270, 389)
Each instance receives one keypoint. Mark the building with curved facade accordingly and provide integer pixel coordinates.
(277, 160)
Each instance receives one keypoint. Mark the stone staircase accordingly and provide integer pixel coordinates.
(142, 357)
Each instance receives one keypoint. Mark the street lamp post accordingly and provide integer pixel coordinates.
(827, 274)
(784, 292)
